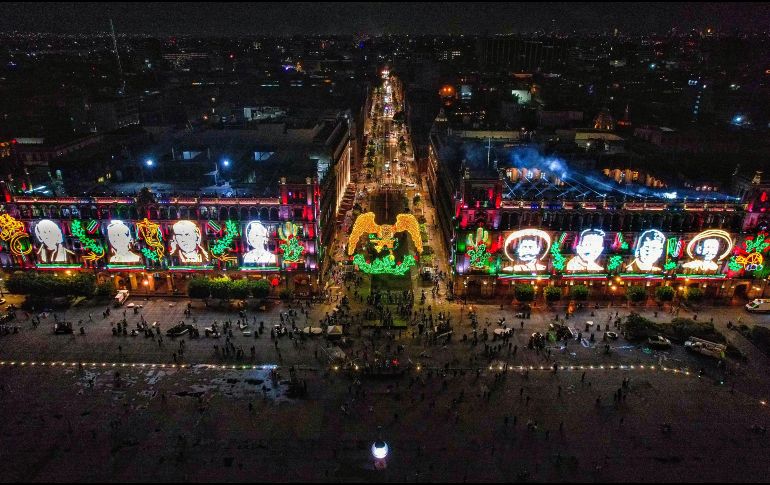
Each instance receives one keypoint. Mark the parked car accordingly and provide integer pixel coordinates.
(659, 342)
(612, 335)
(760, 305)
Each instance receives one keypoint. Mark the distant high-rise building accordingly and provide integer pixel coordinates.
(519, 54)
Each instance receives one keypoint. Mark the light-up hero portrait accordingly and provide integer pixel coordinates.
(122, 244)
(186, 243)
(256, 238)
(590, 246)
(649, 249)
(525, 249)
(51, 240)
(707, 249)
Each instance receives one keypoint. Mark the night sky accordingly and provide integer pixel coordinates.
(376, 18)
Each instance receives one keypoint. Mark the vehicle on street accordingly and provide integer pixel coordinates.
(612, 335)
(62, 328)
(2, 301)
(659, 342)
(121, 297)
(182, 329)
(760, 305)
(706, 347)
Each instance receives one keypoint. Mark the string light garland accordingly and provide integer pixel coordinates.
(385, 265)
(222, 245)
(95, 250)
(558, 259)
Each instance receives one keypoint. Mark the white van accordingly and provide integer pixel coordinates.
(121, 297)
(759, 305)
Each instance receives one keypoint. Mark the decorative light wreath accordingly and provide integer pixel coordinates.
(222, 245)
(478, 254)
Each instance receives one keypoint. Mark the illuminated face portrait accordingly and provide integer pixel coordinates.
(589, 248)
(121, 242)
(648, 251)
(256, 238)
(186, 243)
(51, 241)
(526, 249)
(707, 249)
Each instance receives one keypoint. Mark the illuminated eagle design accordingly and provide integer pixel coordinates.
(386, 233)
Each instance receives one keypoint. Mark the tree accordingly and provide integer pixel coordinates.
(579, 292)
(552, 294)
(199, 288)
(638, 327)
(694, 295)
(636, 294)
(524, 293)
(240, 289)
(260, 288)
(106, 289)
(50, 286)
(221, 288)
(286, 294)
(664, 293)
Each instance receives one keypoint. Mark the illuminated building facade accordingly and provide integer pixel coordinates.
(157, 246)
(536, 227)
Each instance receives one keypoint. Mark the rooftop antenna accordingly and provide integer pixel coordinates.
(117, 56)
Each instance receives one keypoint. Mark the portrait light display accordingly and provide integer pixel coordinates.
(50, 239)
(650, 248)
(122, 245)
(707, 249)
(589, 248)
(526, 249)
(256, 235)
(186, 243)
(383, 238)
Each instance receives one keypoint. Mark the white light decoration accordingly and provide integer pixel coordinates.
(531, 246)
(256, 237)
(122, 243)
(51, 239)
(649, 249)
(380, 450)
(589, 248)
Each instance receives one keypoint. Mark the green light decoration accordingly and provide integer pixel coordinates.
(558, 259)
(222, 245)
(622, 242)
(384, 265)
(292, 250)
(290, 247)
(96, 251)
(477, 251)
(150, 254)
(615, 262)
(749, 257)
(734, 265)
(670, 265)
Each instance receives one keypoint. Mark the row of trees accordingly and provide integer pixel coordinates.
(46, 285)
(526, 293)
(227, 289)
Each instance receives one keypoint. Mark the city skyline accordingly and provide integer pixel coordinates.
(236, 19)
